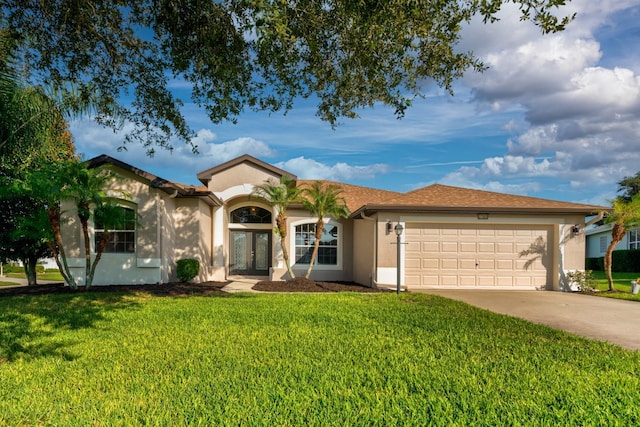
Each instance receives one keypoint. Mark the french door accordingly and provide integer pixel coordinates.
(249, 252)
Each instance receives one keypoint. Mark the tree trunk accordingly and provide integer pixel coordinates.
(29, 265)
(316, 244)
(61, 257)
(104, 239)
(84, 222)
(617, 234)
(281, 223)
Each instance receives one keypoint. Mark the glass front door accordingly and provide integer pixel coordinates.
(249, 252)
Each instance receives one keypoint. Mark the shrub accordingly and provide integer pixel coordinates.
(596, 264)
(187, 269)
(12, 268)
(584, 280)
(624, 261)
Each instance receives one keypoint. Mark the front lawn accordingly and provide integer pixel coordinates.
(299, 359)
(621, 282)
(53, 275)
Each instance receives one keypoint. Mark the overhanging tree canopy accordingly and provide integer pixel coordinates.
(258, 54)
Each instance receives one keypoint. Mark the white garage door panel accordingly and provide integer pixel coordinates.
(476, 256)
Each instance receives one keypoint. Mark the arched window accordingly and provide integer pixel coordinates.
(250, 215)
(120, 223)
(327, 249)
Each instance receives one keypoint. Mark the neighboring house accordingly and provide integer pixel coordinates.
(599, 239)
(453, 237)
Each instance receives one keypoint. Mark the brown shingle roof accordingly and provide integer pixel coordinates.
(434, 198)
(356, 196)
(444, 195)
(441, 198)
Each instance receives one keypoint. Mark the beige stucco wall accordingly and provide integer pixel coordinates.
(344, 269)
(143, 266)
(364, 251)
(192, 221)
(240, 174)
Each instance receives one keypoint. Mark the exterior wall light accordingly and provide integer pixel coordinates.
(389, 227)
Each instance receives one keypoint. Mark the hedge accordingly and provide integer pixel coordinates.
(624, 261)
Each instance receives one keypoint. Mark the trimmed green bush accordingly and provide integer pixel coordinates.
(624, 261)
(187, 269)
(595, 264)
(12, 268)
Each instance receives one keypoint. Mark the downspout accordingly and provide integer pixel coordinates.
(374, 268)
(160, 231)
(594, 220)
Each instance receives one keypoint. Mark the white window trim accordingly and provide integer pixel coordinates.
(316, 266)
(239, 226)
(92, 230)
(636, 240)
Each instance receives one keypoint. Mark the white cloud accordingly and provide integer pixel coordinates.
(305, 168)
(581, 119)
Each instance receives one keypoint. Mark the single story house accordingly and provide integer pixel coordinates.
(599, 238)
(453, 237)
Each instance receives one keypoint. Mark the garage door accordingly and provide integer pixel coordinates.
(477, 256)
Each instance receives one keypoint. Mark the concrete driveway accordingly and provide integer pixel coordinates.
(605, 319)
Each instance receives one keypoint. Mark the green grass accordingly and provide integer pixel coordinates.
(621, 282)
(7, 283)
(48, 275)
(285, 359)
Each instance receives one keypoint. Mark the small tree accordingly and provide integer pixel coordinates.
(280, 195)
(322, 201)
(624, 215)
(70, 181)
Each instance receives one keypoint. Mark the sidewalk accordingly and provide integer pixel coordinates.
(240, 285)
(23, 282)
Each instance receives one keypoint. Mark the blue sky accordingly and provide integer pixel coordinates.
(555, 116)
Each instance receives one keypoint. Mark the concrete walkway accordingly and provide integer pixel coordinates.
(240, 285)
(606, 319)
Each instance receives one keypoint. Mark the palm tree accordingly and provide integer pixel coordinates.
(86, 189)
(322, 201)
(623, 215)
(280, 195)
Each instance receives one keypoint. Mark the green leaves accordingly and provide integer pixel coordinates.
(239, 54)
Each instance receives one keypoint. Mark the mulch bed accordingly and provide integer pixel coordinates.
(185, 289)
(300, 284)
(169, 289)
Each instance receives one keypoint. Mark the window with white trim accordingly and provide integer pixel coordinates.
(634, 239)
(122, 235)
(327, 249)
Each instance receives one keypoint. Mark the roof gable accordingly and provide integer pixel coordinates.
(206, 175)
